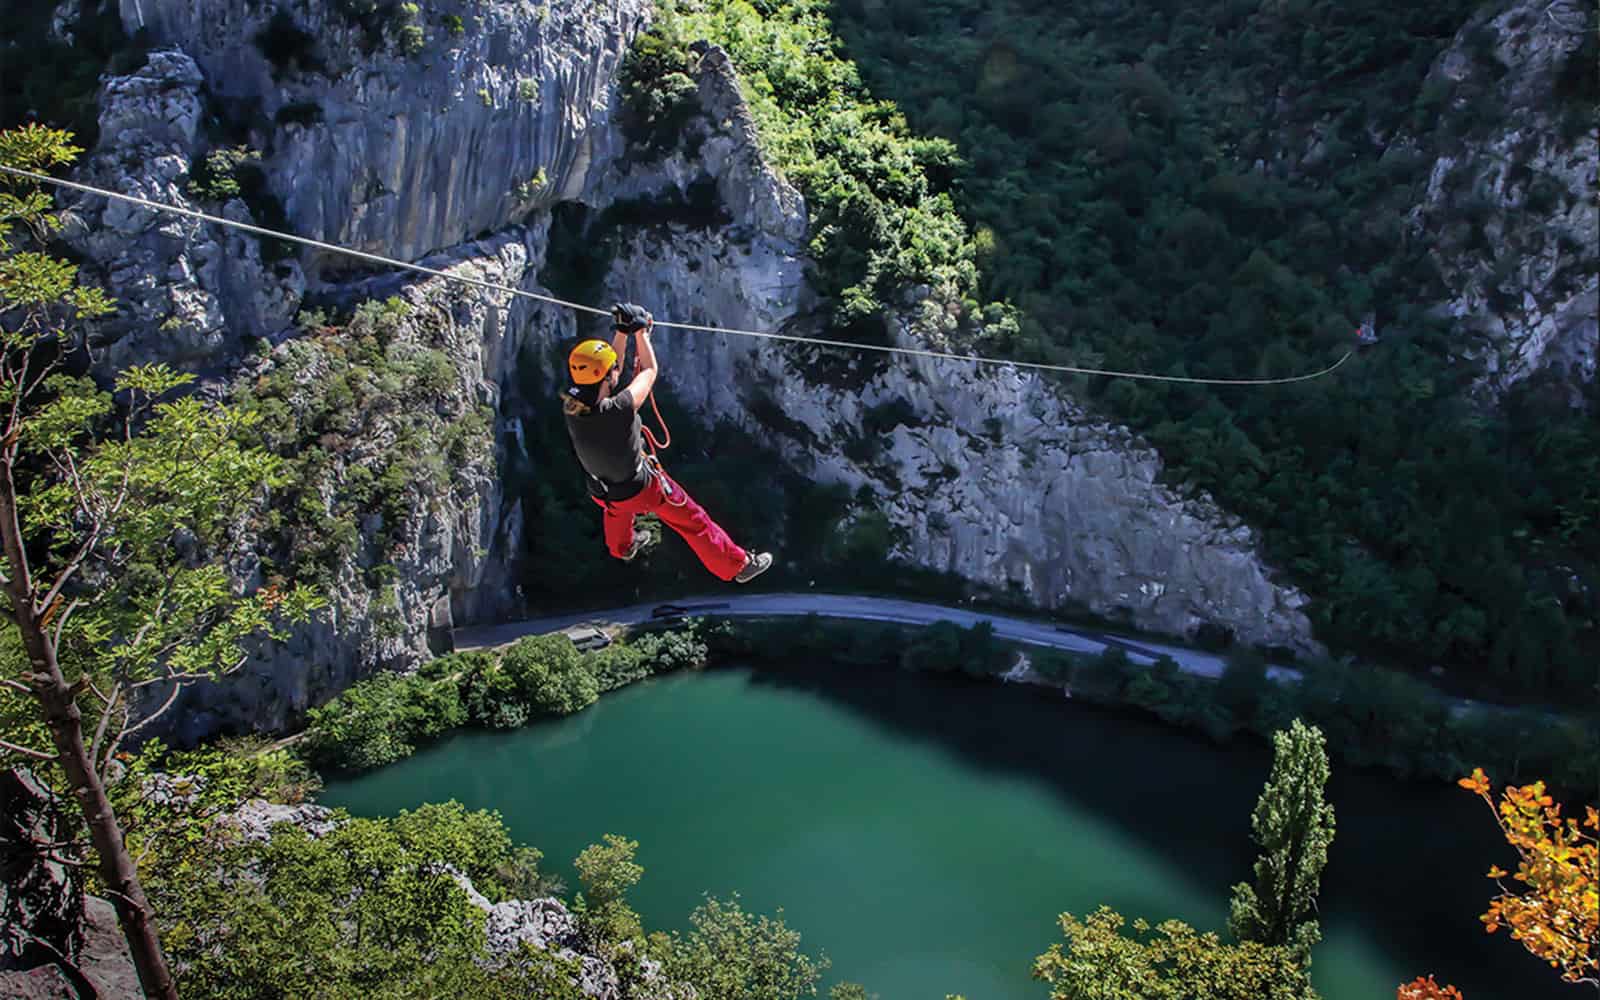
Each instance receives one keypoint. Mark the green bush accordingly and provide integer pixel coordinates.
(217, 177)
(371, 907)
(658, 95)
(1105, 677)
(381, 720)
(411, 37)
(935, 649)
(550, 674)
(679, 649)
(618, 665)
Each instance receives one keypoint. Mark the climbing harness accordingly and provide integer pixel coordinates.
(915, 352)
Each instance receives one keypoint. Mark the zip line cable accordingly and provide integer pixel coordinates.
(762, 334)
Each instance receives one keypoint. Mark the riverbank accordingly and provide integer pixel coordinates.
(1372, 718)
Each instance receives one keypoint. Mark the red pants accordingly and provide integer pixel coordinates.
(679, 512)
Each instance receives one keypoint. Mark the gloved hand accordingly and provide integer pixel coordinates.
(629, 318)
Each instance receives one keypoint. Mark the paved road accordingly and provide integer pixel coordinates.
(865, 608)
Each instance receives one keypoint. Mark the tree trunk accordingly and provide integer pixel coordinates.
(65, 722)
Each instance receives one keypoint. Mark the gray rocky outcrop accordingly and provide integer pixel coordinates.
(462, 533)
(253, 821)
(188, 293)
(409, 148)
(1510, 209)
(41, 895)
(55, 941)
(998, 477)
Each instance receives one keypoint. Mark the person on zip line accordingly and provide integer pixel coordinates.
(626, 481)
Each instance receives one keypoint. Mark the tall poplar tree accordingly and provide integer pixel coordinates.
(1293, 825)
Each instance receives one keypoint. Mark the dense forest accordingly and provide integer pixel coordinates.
(1216, 190)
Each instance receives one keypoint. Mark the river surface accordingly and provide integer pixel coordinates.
(924, 832)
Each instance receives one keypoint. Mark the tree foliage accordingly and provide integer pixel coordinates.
(1426, 989)
(731, 954)
(1293, 825)
(370, 907)
(118, 518)
(1171, 961)
(608, 871)
(386, 717)
(1218, 188)
(1555, 912)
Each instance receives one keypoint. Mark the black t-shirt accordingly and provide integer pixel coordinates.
(610, 447)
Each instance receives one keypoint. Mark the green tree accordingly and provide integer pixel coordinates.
(734, 955)
(1293, 825)
(607, 872)
(368, 907)
(116, 524)
(1175, 962)
(550, 674)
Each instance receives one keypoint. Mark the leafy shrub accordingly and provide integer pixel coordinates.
(935, 649)
(658, 95)
(216, 178)
(618, 665)
(375, 900)
(550, 674)
(381, 720)
(730, 954)
(665, 652)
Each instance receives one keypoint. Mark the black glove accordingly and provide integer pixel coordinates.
(629, 318)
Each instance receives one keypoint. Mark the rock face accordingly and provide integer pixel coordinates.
(41, 898)
(407, 142)
(461, 535)
(1510, 206)
(996, 477)
(188, 292)
(54, 940)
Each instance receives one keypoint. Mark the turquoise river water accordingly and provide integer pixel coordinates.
(924, 832)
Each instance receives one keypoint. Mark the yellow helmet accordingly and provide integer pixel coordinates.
(591, 361)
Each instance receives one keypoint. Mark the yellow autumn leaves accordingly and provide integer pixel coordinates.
(1555, 912)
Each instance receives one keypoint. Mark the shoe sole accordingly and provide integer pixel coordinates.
(746, 579)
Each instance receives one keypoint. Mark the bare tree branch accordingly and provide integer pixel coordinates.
(96, 689)
(190, 678)
(44, 373)
(105, 718)
(61, 623)
(127, 731)
(27, 751)
(66, 572)
(16, 686)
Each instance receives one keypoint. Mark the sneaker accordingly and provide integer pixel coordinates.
(755, 564)
(640, 540)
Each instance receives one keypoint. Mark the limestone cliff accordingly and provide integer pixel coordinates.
(1511, 208)
(453, 145)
